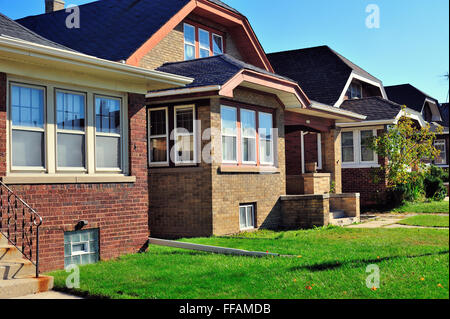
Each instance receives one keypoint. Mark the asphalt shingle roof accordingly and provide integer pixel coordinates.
(375, 108)
(444, 113)
(408, 95)
(109, 29)
(13, 29)
(215, 70)
(321, 72)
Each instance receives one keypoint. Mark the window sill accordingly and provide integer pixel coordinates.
(361, 165)
(249, 169)
(61, 179)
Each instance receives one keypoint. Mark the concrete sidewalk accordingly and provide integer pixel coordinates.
(50, 295)
(390, 221)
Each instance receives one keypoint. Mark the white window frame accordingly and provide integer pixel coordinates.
(166, 163)
(272, 162)
(83, 252)
(253, 224)
(120, 136)
(242, 137)
(221, 41)
(26, 128)
(357, 154)
(227, 135)
(200, 47)
(71, 169)
(444, 153)
(176, 134)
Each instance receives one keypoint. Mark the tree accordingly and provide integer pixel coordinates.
(406, 146)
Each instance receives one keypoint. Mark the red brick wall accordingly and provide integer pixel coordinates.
(120, 211)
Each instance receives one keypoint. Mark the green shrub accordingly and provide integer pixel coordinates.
(434, 183)
(411, 191)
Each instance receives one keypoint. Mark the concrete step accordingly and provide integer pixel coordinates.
(337, 214)
(344, 221)
(25, 286)
(3, 240)
(9, 252)
(16, 269)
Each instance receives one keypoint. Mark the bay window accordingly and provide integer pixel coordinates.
(201, 42)
(184, 135)
(158, 136)
(266, 138)
(229, 134)
(248, 134)
(108, 133)
(70, 126)
(28, 131)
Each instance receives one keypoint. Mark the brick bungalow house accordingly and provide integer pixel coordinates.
(235, 94)
(73, 146)
(329, 78)
(431, 111)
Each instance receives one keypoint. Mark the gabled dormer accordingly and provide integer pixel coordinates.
(149, 33)
(326, 76)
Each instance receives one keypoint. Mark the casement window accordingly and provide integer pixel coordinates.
(266, 138)
(108, 133)
(200, 42)
(71, 130)
(158, 136)
(55, 129)
(28, 129)
(229, 134)
(248, 136)
(441, 159)
(355, 148)
(247, 216)
(184, 134)
(354, 91)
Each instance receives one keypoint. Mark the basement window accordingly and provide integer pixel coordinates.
(81, 247)
(247, 216)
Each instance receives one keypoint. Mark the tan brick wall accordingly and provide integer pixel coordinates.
(349, 203)
(171, 47)
(305, 211)
(317, 183)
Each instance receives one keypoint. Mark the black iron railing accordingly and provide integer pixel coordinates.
(20, 224)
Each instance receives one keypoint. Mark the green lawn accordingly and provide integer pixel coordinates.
(426, 220)
(423, 208)
(328, 263)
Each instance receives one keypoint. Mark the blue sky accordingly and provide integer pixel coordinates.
(411, 45)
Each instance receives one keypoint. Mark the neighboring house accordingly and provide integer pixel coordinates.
(329, 78)
(235, 94)
(73, 146)
(431, 111)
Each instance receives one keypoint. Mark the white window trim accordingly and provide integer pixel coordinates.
(50, 129)
(194, 130)
(221, 41)
(227, 135)
(166, 163)
(242, 137)
(375, 157)
(252, 206)
(63, 131)
(272, 162)
(357, 162)
(444, 153)
(44, 130)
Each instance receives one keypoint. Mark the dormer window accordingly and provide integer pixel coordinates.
(354, 91)
(201, 42)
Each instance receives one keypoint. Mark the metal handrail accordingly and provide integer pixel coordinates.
(19, 225)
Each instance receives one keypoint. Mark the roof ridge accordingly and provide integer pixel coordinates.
(300, 49)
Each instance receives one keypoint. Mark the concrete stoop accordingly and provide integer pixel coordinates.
(17, 274)
(338, 218)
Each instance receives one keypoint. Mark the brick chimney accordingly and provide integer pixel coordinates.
(53, 5)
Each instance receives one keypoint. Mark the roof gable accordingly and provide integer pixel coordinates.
(321, 72)
(408, 95)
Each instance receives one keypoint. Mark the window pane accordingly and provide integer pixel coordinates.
(250, 217)
(265, 125)
(347, 147)
(189, 52)
(107, 152)
(248, 123)
(27, 106)
(185, 120)
(266, 151)
(158, 150)
(203, 39)
(185, 148)
(204, 53)
(242, 217)
(249, 149)
(229, 118)
(229, 148)
(217, 44)
(70, 110)
(189, 34)
(107, 113)
(367, 154)
(441, 159)
(28, 148)
(71, 150)
(158, 122)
